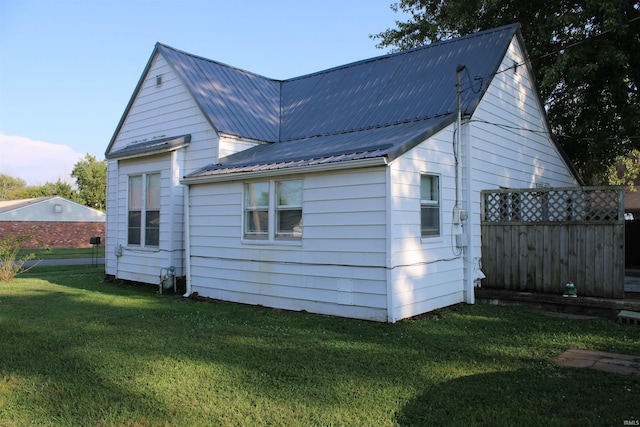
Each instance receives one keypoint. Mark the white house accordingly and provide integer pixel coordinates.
(352, 192)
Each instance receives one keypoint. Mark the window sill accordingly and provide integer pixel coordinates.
(275, 243)
(149, 249)
(431, 239)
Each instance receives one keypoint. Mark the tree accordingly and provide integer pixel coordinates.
(585, 58)
(625, 171)
(58, 188)
(91, 179)
(12, 188)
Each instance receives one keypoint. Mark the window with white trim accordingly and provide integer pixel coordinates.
(429, 205)
(273, 210)
(144, 210)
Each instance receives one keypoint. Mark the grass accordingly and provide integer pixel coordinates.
(63, 253)
(77, 351)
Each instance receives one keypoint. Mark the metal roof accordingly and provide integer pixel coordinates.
(383, 101)
(235, 101)
(148, 147)
(388, 141)
(406, 86)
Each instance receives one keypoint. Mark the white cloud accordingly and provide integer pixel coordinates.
(36, 162)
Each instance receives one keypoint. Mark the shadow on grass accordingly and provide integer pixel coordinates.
(88, 351)
(553, 396)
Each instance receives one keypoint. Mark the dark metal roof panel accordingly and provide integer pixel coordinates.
(235, 101)
(389, 141)
(409, 85)
(154, 146)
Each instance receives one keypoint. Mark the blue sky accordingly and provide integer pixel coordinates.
(69, 67)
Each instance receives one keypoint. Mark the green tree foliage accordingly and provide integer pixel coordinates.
(12, 188)
(626, 170)
(585, 54)
(58, 188)
(91, 179)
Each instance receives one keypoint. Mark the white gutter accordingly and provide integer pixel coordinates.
(187, 241)
(233, 176)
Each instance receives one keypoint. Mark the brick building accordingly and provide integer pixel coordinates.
(56, 221)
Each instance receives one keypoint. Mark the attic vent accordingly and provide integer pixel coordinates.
(57, 208)
(159, 80)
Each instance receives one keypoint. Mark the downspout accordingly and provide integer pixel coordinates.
(187, 241)
(391, 315)
(172, 194)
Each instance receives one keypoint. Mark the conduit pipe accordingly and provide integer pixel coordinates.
(466, 228)
(187, 241)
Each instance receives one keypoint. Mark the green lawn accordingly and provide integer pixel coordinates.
(75, 351)
(63, 253)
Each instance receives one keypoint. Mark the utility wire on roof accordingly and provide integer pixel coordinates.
(557, 51)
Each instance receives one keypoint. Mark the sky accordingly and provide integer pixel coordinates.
(69, 67)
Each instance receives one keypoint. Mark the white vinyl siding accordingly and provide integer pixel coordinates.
(337, 268)
(143, 263)
(511, 146)
(166, 111)
(425, 271)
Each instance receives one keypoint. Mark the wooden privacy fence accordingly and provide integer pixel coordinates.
(539, 239)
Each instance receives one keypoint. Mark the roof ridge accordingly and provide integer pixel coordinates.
(456, 39)
(213, 61)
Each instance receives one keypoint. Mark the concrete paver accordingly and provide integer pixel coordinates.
(600, 360)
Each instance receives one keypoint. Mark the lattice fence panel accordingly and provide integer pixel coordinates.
(556, 205)
(537, 240)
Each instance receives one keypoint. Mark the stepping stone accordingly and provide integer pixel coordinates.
(600, 360)
(629, 317)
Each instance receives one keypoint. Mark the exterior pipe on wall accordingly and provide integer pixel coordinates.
(187, 242)
(391, 316)
(463, 198)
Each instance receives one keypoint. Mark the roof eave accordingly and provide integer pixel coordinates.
(297, 170)
(171, 144)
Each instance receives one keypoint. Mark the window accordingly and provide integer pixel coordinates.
(144, 210)
(256, 214)
(429, 205)
(273, 210)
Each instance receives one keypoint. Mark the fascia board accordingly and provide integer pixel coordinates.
(351, 164)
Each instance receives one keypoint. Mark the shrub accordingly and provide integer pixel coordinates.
(10, 263)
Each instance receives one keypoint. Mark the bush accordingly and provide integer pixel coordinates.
(10, 263)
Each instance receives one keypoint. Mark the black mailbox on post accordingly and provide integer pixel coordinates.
(95, 242)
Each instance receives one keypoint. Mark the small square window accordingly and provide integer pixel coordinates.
(273, 210)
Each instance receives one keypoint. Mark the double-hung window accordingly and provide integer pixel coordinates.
(273, 210)
(144, 210)
(429, 205)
